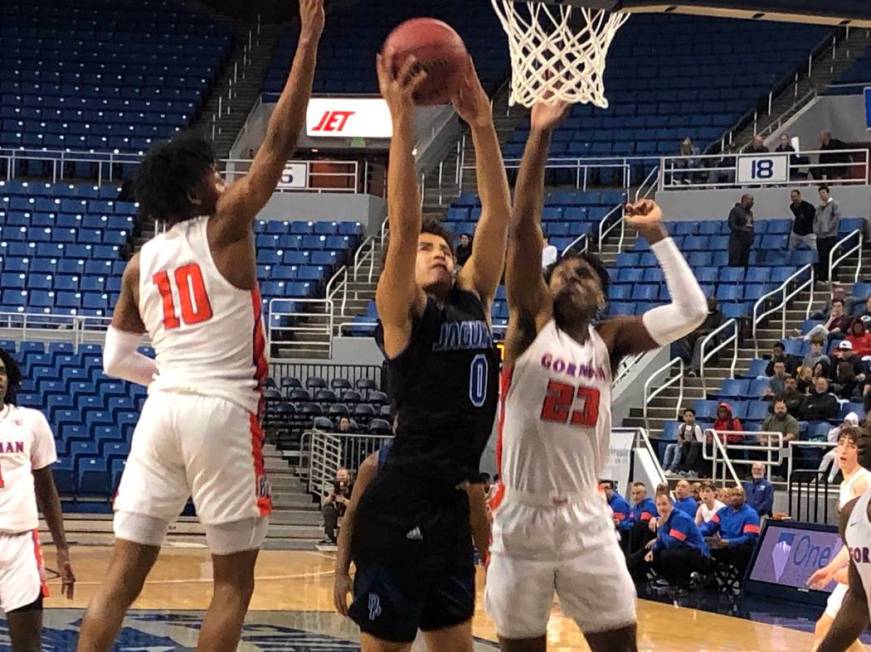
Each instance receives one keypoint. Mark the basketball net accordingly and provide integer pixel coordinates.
(557, 52)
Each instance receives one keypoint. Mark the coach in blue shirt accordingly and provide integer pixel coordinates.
(620, 510)
(638, 531)
(684, 499)
(679, 549)
(733, 531)
(759, 491)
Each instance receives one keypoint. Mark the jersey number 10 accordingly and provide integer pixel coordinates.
(560, 399)
(195, 306)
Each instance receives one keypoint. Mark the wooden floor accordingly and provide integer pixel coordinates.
(293, 581)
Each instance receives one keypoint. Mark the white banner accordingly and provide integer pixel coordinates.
(295, 176)
(619, 459)
(763, 168)
(336, 117)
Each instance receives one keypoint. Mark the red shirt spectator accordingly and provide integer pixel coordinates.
(725, 422)
(860, 337)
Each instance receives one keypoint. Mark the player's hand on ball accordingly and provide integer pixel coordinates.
(398, 88)
(470, 100)
(65, 570)
(547, 115)
(341, 591)
(311, 18)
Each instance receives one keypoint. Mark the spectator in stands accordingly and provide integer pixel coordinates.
(816, 353)
(803, 224)
(783, 422)
(689, 160)
(805, 380)
(697, 490)
(741, 232)
(692, 462)
(679, 552)
(867, 312)
(833, 159)
(724, 168)
(727, 423)
(759, 491)
(637, 531)
(848, 370)
(835, 325)
(778, 354)
(345, 425)
(791, 396)
(549, 255)
(687, 433)
(826, 223)
(838, 292)
(820, 404)
(733, 531)
(684, 499)
(859, 336)
(828, 461)
(464, 249)
(777, 383)
(757, 146)
(690, 347)
(709, 504)
(335, 504)
(621, 512)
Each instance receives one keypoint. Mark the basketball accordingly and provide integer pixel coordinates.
(438, 49)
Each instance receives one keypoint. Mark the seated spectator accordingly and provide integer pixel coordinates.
(835, 324)
(757, 146)
(709, 504)
(784, 423)
(847, 372)
(732, 532)
(621, 512)
(692, 463)
(690, 347)
(689, 161)
(759, 491)
(838, 292)
(345, 425)
(816, 353)
(820, 404)
(687, 432)
(859, 337)
(828, 461)
(464, 249)
(697, 490)
(778, 354)
(679, 551)
(833, 158)
(792, 397)
(335, 504)
(777, 382)
(684, 499)
(867, 312)
(727, 423)
(803, 224)
(635, 533)
(724, 168)
(549, 255)
(805, 382)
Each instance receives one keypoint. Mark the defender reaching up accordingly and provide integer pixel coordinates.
(556, 421)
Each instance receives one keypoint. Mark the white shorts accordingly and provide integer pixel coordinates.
(189, 445)
(836, 599)
(22, 572)
(572, 550)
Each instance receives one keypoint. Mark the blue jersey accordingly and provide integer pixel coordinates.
(735, 526)
(680, 531)
(687, 505)
(644, 511)
(622, 511)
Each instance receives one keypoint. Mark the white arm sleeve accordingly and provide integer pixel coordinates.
(688, 308)
(122, 360)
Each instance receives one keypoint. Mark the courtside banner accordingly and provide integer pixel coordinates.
(619, 459)
(336, 117)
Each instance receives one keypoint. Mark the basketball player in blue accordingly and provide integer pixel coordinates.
(413, 528)
(552, 532)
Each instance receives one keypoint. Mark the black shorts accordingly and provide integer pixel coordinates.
(391, 601)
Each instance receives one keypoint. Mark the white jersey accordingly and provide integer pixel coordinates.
(857, 536)
(556, 422)
(207, 334)
(846, 491)
(708, 514)
(26, 445)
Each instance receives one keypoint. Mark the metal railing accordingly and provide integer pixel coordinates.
(76, 329)
(641, 434)
(812, 478)
(337, 284)
(365, 255)
(313, 181)
(582, 167)
(786, 294)
(712, 339)
(834, 264)
(225, 99)
(585, 238)
(605, 228)
(625, 366)
(301, 322)
(669, 382)
(795, 444)
(648, 186)
(719, 454)
(105, 162)
(329, 452)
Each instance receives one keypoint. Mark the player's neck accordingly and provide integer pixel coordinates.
(848, 473)
(710, 503)
(580, 333)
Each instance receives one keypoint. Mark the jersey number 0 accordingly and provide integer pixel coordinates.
(195, 306)
(560, 399)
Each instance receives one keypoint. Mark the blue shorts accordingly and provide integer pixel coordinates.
(391, 602)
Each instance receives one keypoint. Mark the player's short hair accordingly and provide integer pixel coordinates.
(13, 375)
(851, 434)
(707, 484)
(591, 259)
(639, 484)
(169, 173)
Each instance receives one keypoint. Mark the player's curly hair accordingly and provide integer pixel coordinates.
(169, 174)
(13, 376)
(591, 259)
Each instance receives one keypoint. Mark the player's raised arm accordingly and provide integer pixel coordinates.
(483, 270)
(664, 324)
(526, 289)
(398, 295)
(241, 203)
(120, 357)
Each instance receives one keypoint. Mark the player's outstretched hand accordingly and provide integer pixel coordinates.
(398, 88)
(547, 115)
(643, 212)
(65, 570)
(470, 100)
(820, 578)
(311, 18)
(341, 591)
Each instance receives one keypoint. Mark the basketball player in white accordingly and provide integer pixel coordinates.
(194, 291)
(26, 455)
(551, 530)
(854, 615)
(857, 480)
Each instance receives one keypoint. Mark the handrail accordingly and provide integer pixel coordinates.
(648, 397)
(805, 444)
(782, 290)
(366, 249)
(327, 329)
(653, 174)
(342, 286)
(625, 366)
(572, 245)
(703, 357)
(721, 447)
(645, 440)
(833, 264)
(603, 232)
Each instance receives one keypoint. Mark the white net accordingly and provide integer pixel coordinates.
(558, 52)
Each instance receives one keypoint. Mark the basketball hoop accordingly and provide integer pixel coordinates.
(558, 52)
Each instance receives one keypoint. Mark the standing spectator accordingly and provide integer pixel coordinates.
(724, 168)
(835, 325)
(826, 224)
(464, 249)
(335, 504)
(757, 146)
(684, 499)
(816, 354)
(679, 551)
(792, 397)
(733, 531)
(709, 505)
(549, 255)
(759, 491)
(803, 224)
(688, 160)
(820, 404)
(688, 432)
(741, 232)
(777, 383)
(834, 161)
(690, 347)
(859, 337)
(783, 422)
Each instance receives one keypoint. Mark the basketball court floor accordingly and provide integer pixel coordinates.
(292, 610)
